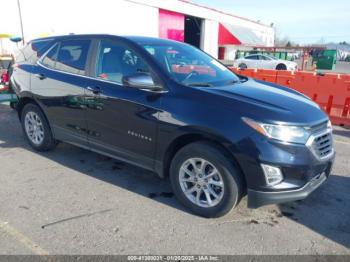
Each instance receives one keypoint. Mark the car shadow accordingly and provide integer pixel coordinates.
(121, 174)
(326, 211)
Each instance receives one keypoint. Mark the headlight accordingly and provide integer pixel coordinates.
(329, 124)
(285, 133)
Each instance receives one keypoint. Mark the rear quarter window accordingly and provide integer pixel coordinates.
(33, 51)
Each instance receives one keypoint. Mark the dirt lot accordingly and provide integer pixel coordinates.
(72, 201)
(341, 67)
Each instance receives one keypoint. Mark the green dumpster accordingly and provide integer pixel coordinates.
(326, 59)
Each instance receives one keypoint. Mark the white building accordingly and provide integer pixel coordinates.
(181, 20)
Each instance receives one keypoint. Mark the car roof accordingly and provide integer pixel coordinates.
(142, 40)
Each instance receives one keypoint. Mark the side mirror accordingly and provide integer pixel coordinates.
(140, 81)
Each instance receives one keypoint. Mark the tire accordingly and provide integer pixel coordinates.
(281, 67)
(32, 118)
(242, 66)
(229, 192)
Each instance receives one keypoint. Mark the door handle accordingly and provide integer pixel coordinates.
(40, 76)
(94, 89)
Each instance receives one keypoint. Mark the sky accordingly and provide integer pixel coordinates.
(303, 21)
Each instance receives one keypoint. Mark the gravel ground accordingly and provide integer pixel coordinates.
(72, 201)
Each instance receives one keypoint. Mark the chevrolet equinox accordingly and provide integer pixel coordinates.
(169, 107)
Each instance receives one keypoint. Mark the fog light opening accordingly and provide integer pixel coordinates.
(273, 175)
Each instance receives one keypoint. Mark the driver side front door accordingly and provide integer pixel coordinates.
(122, 121)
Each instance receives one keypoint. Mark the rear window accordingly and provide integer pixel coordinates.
(68, 56)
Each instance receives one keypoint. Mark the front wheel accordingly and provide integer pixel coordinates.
(281, 67)
(36, 128)
(204, 180)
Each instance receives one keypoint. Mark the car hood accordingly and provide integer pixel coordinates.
(269, 102)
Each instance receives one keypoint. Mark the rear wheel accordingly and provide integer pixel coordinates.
(281, 67)
(36, 128)
(204, 180)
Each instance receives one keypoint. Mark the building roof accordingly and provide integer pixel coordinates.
(223, 12)
(229, 34)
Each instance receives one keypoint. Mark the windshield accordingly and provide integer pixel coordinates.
(189, 66)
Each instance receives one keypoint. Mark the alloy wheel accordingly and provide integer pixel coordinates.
(201, 182)
(34, 128)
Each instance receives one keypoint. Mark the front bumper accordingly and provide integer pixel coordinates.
(260, 198)
(302, 171)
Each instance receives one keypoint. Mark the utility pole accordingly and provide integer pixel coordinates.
(20, 20)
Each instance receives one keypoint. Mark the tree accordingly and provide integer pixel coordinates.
(282, 40)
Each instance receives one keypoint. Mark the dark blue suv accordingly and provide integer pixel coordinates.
(170, 108)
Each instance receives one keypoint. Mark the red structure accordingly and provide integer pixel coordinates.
(171, 25)
(226, 37)
(330, 91)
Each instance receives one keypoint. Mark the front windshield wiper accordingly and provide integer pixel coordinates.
(233, 82)
(200, 84)
(240, 80)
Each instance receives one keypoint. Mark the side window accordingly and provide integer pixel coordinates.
(72, 56)
(50, 59)
(252, 57)
(262, 57)
(115, 61)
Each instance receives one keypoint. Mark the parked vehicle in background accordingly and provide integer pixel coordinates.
(264, 62)
(170, 108)
(6, 62)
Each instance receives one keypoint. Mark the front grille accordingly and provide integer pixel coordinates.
(321, 142)
(323, 145)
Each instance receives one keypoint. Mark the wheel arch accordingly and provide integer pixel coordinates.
(24, 100)
(192, 137)
(281, 64)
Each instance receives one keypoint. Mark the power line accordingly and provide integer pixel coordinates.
(323, 36)
(20, 20)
